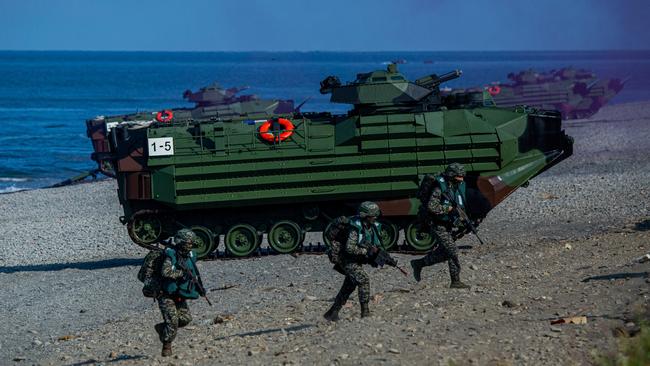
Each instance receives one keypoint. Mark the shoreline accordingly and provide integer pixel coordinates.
(604, 114)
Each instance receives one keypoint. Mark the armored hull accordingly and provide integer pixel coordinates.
(212, 102)
(291, 173)
(575, 93)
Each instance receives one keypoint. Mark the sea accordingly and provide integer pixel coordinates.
(46, 96)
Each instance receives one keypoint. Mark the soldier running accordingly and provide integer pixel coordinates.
(179, 283)
(362, 244)
(441, 221)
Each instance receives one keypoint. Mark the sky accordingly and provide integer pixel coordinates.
(325, 25)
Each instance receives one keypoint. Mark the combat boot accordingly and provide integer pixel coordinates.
(365, 312)
(416, 265)
(459, 284)
(333, 313)
(167, 349)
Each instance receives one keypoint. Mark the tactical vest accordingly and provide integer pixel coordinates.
(364, 241)
(182, 287)
(459, 194)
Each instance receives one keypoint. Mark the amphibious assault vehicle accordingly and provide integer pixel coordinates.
(287, 174)
(575, 93)
(210, 102)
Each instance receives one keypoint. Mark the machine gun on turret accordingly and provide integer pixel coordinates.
(433, 81)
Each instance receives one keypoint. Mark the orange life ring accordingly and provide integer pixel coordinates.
(287, 126)
(494, 90)
(165, 116)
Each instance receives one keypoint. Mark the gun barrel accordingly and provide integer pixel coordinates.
(449, 76)
(403, 271)
(206, 299)
(435, 80)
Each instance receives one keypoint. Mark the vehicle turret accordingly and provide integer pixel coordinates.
(387, 90)
(216, 95)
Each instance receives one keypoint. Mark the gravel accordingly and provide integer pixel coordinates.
(60, 225)
(561, 247)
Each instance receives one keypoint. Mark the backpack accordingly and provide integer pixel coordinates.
(425, 189)
(149, 273)
(336, 234)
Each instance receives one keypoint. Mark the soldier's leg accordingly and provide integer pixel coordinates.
(346, 290)
(434, 256)
(440, 253)
(167, 330)
(447, 243)
(362, 281)
(450, 254)
(344, 293)
(184, 316)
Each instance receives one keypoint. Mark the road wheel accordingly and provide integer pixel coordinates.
(241, 240)
(205, 243)
(285, 236)
(389, 234)
(418, 237)
(145, 230)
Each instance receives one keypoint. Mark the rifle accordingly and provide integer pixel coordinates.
(382, 258)
(194, 280)
(462, 215)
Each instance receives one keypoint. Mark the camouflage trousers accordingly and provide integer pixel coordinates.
(355, 277)
(175, 314)
(446, 251)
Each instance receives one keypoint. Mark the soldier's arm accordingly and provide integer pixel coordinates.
(435, 205)
(352, 245)
(169, 271)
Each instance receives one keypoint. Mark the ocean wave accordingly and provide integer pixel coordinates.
(12, 189)
(13, 179)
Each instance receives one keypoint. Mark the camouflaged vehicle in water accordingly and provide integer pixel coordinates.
(211, 102)
(575, 93)
(290, 173)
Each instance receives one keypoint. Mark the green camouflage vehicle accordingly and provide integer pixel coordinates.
(576, 93)
(288, 174)
(210, 102)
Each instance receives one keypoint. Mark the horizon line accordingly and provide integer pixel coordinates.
(331, 51)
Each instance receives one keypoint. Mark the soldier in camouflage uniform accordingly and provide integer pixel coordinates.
(441, 221)
(362, 244)
(177, 288)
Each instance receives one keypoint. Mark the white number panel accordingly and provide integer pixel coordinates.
(161, 146)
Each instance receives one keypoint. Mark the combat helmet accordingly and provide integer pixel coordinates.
(455, 170)
(185, 238)
(369, 208)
